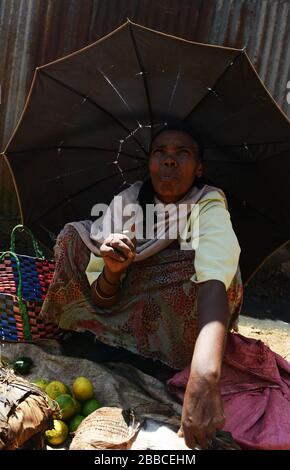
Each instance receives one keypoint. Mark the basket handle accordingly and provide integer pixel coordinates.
(22, 228)
(22, 306)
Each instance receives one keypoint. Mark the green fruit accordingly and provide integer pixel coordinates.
(67, 406)
(78, 407)
(90, 406)
(41, 383)
(75, 422)
(22, 365)
(27, 359)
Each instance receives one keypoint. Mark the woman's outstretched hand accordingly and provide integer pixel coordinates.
(202, 413)
(118, 252)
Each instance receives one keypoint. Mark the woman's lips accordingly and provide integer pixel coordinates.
(168, 177)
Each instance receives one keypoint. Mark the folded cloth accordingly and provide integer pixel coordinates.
(255, 386)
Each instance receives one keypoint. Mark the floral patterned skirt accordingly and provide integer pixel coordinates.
(156, 315)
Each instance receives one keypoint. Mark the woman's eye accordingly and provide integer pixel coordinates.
(178, 153)
(184, 152)
(157, 152)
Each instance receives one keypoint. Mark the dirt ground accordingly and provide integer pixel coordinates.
(276, 334)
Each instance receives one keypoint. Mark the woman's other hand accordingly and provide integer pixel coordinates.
(118, 252)
(202, 413)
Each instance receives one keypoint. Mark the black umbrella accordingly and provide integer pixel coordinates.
(88, 120)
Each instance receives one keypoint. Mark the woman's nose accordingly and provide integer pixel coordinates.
(170, 162)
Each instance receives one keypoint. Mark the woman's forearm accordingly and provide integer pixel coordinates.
(202, 411)
(105, 289)
(213, 320)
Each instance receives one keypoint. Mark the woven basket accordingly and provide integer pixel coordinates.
(24, 281)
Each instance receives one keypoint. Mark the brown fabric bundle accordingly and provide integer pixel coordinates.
(24, 412)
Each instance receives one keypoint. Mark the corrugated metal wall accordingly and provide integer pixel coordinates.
(33, 32)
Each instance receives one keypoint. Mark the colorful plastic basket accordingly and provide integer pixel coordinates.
(24, 281)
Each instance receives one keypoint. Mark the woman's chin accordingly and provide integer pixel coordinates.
(168, 196)
(167, 187)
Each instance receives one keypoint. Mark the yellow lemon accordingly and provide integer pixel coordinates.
(83, 389)
(55, 388)
(58, 434)
(67, 406)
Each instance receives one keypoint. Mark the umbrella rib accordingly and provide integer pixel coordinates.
(239, 161)
(69, 147)
(214, 85)
(120, 96)
(91, 101)
(173, 92)
(144, 78)
(87, 188)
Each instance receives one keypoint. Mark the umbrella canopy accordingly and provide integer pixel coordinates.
(89, 117)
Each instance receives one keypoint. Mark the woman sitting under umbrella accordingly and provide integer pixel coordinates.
(149, 301)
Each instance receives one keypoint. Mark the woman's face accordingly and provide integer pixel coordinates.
(173, 165)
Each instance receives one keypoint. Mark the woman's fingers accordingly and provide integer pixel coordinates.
(131, 243)
(220, 422)
(190, 439)
(180, 432)
(123, 247)
(195, 435)
(121, 241)
(200, 437)
(204, 437)
(109, 251)
(190, 443)
(131, 240)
